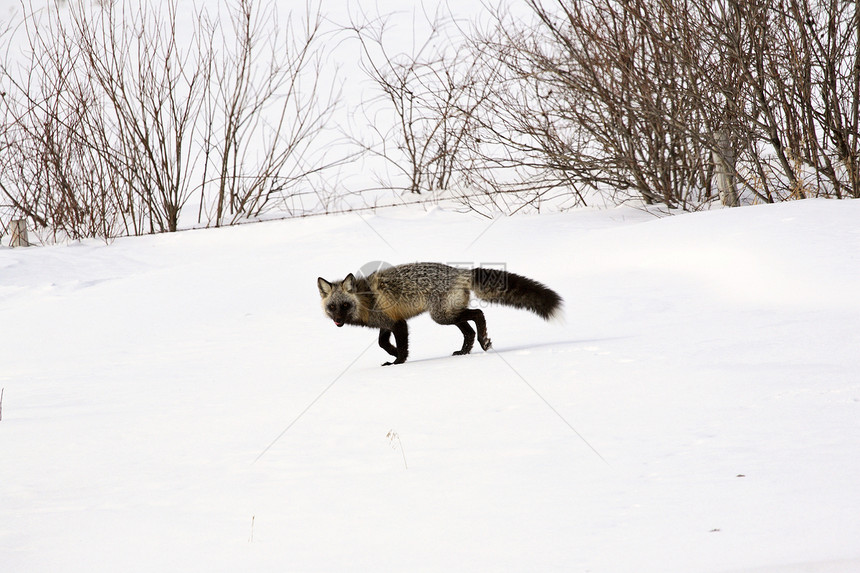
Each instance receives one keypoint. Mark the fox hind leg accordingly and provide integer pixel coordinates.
(461, 320)
(477, 316)
(468, 338)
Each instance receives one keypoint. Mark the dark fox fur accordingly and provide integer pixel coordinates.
(388, 298)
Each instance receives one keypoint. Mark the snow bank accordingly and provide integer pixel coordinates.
(698, 410)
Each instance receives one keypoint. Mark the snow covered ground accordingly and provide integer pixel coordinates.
(179, 402)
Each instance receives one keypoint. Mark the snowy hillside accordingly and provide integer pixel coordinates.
(179, 402)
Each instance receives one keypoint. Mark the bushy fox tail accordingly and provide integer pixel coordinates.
(495, 285)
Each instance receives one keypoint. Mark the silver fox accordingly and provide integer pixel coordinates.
(387, 298)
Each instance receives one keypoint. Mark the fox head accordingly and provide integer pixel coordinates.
(339, 300)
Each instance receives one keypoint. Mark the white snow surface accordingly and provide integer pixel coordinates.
(180, 402)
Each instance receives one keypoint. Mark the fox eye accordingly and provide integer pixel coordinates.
(345, 306)
(332, 307)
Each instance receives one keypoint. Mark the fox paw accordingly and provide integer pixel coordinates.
(486, 344)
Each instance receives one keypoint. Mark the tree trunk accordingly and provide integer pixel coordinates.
(19, 233)
(724, 168)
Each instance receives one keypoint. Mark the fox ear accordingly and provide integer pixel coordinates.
(348, 284)
(324, 286)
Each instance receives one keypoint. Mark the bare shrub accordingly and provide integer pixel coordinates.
(52, 171)
(644, 98)
(117, 114)
(431, 96)
(597, 100)
(268, 109)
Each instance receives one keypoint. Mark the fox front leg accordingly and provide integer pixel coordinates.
(385, 341)
(401, 339)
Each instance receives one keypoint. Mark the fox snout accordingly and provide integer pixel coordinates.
(340, 313)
